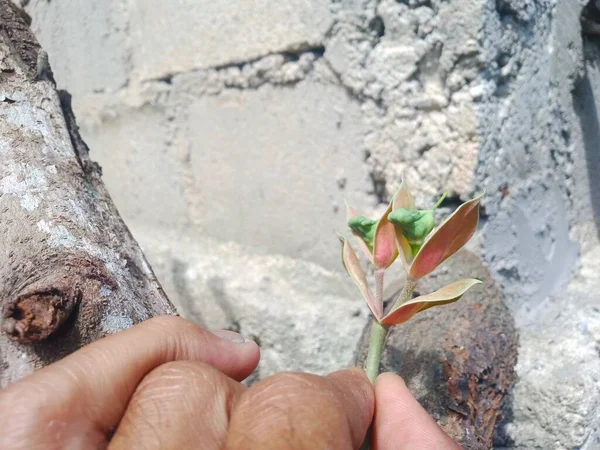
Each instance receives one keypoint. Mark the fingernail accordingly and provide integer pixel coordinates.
(230, 336)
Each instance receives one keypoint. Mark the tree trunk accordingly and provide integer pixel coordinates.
(70, 271)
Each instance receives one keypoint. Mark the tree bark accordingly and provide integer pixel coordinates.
(70, 271)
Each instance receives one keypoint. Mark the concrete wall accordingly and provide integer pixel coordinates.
(231, 133)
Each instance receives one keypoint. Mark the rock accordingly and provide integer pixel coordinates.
(304, 317)
(459, 359)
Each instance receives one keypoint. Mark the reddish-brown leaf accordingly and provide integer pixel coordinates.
(447, 238)
(385, 249)
(356, 272)
(403, 198)
(447, 294)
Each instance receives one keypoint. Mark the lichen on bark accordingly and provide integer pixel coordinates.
(70, 270)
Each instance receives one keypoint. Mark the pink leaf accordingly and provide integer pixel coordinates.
(404, 249)
(385, 249)
(447, 238)
(447, 294)
(403, 198)
(356, 272)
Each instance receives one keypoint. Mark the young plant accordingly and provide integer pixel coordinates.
(408, 232)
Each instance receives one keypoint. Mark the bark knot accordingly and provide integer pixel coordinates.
(35, 316)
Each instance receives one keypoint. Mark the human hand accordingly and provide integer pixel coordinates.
(169, 384)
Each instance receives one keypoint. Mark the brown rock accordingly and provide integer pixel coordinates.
(459, 359)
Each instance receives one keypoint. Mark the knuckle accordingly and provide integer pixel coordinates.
(287, 391)
(189, 378)
(168, 397)
(292, 381)
(289, 410)
(165, 323)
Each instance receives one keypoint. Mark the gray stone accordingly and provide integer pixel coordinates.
(304, 317)
(86, 41)
(172, 37)
(276, 167)
(143, 176)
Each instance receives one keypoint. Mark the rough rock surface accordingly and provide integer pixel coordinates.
(284, 304)
(458, 361)
(317, 105)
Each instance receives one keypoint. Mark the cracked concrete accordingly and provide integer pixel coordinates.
(230, 136)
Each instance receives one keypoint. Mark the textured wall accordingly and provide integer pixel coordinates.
(231, 133)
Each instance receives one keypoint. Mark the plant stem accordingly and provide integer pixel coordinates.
(407, 291)
(376, 341)
(378, 332)
(378, 335)
(439, 202)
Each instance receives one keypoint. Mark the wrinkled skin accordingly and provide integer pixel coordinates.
(169, 384)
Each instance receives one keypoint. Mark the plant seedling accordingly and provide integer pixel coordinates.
(407, 232)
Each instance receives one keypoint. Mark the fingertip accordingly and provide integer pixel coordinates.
(400, 420)
(250, 355)
(228, 351)
(248, 347)
(389, 381)
(234, 354)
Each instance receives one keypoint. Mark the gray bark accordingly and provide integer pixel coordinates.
(70, 271)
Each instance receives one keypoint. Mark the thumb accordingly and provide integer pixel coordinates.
(77, 401)
(401, 423)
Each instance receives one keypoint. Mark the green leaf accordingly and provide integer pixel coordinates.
(448, 294)
(351, 213)
(415, 225)
(356, 272)
(363, 228)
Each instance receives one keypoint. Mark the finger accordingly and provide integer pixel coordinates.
(84, 395)
(179, 405)
(401, 423)
(302, 411)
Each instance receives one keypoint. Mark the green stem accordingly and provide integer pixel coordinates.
(378, 332)
(376, 341)
(407, 291)
(378, 335)
(439, 202)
